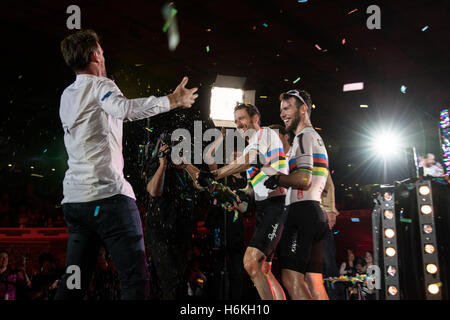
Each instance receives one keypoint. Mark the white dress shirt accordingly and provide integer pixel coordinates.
(92, 111)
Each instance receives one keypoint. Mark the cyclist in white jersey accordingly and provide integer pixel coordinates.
(301, 243)
(265, 144)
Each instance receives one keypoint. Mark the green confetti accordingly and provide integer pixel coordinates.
(173, 12)
(207, 48)
(296, 80)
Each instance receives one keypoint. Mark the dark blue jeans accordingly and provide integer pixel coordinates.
(115, 223)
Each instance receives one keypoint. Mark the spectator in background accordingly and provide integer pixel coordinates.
(11, 281)
(360, 265)
(348, 267)
(369, 294)
(45, 283)
(330, 268)
(431, 167)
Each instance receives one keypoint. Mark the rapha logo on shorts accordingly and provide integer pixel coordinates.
(294, 246)
(272, 235)
(294, 243)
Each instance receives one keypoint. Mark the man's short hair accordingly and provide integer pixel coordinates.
(301, 97)
(4, 251)
(251, 110)
(281, 129)
(77, 48)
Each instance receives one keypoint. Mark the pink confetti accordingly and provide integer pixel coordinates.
(318, 48)
(354, 10)
(215, 201)
(343, 41)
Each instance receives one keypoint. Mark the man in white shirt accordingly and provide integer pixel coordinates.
(99, 204)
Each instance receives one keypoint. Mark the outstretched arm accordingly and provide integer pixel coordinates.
(113, 102)
(239, 165)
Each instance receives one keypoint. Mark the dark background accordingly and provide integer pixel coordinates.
(271, 58)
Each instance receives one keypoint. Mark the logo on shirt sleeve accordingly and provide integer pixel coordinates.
(106, 95)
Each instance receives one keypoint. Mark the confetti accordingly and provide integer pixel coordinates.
(364, 106)
(263, 97)
(97, 209)
(353, 86)
(296, 80)
(354, 10)
(343, 41)
(45, 151)
(172, 14)
(302, 1)
(318, 48)
(171, 26)
(207, 48)
(265, 25)
(424, 28)
(313, 106)
(403, 88)
(150, 130)
(138, 64)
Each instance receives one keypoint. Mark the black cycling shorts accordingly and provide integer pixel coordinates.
(270, 219)
(301, 243)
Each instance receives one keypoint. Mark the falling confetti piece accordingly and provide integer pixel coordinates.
(403, 89)
(363, 106)
(173, 12)
(45, 151)
(313, 106)
(208, 30)
(318, 48)
(138, 64)
(265, 25)
(343, 41)
(296, 80)
(353, 86)
(254, 28)
(302, 1)
(97, 209)
(150, 130)
(354, 10)
(263, 97)
(171, 26)
(424, 28)
(207, 48)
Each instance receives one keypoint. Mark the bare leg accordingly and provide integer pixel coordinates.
(277, 290)
(316, 287)
(296, 285)
(253, 260)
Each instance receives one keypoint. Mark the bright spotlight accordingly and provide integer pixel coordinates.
(425, 209)
(389, 233)
(424, 190)
(388, 214)
(390, 252)
(429, 248)
(223, 101)
(386, 144)
(433, 288)
(431, 268)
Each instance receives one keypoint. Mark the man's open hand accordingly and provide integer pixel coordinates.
(183, 97)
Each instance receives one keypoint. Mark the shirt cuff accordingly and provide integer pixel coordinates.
(165, 103)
